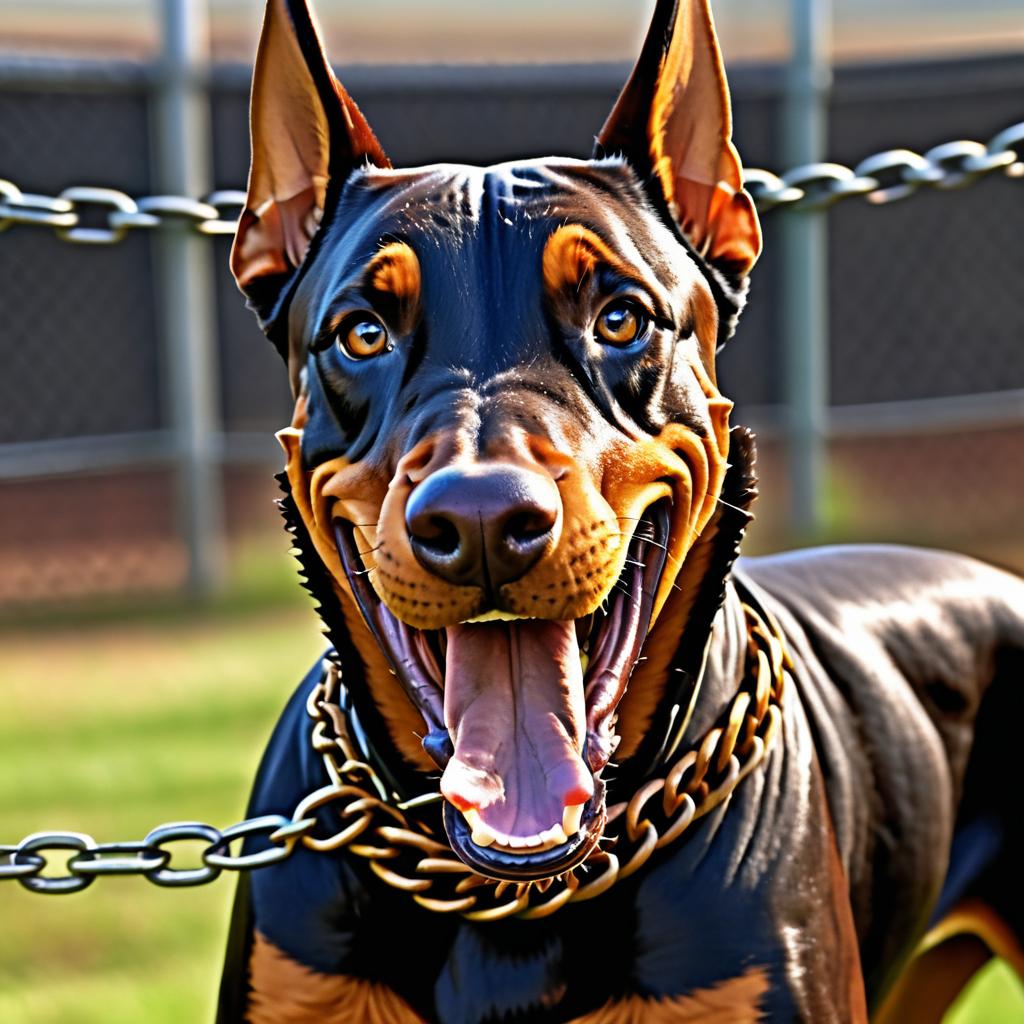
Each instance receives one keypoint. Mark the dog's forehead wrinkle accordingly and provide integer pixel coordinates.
(451, 404)
(525, 185)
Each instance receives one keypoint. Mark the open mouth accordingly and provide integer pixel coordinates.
(521, 712)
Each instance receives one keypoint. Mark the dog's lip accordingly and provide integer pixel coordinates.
(613, 638)
(526, 866)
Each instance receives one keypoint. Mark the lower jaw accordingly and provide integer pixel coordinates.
(523, 866)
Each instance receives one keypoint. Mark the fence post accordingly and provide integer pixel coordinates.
(185, 287)
(805, 268)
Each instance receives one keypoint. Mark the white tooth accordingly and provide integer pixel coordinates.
(481, 834)
(571, 818)
(494, 616)
(518, 842)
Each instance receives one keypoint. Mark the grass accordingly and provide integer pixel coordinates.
(112, 726)
(111, 729)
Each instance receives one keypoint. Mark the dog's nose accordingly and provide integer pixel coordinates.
(482, 526)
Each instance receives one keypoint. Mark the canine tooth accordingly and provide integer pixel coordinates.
(481, 833)
(584, 661)
(554, 836)
(571, 818)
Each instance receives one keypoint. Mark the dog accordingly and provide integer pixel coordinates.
(568, 759)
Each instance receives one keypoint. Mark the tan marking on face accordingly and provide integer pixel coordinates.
(734, 1001)
(283, 991)
(705, 329)
(573, 253)
(411, 592)
(339, 489)
(571, 579)
(300, 415)
(690, 549)
(395, 271)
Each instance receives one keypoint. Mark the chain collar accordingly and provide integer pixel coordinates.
(405, 845)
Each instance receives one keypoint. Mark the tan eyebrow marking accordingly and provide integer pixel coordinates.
(395, 270)
(705, 327)
(573, 252)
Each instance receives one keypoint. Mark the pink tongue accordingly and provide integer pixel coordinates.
(514, 705)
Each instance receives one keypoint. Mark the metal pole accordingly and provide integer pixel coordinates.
(185, 269)
(805, 267)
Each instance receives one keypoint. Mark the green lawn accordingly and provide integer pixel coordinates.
(111, 729)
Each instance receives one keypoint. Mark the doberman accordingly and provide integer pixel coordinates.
(673, 786)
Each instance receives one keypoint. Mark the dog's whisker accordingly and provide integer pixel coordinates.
(653, 543)
(735, 508)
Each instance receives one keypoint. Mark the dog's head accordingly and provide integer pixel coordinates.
(508, 434)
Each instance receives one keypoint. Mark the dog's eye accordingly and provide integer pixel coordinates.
(363, 337)
(620, 323)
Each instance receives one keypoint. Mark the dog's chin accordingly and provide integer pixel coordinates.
(522, 766)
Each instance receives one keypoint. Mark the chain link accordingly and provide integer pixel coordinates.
(891, 175)
(103, 216)
(87, 215)
(405, 844)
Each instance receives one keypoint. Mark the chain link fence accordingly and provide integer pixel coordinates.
(926, 323)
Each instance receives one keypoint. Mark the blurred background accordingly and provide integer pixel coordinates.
(150, 624)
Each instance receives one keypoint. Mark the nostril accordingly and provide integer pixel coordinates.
(437, 534)
(524, 528)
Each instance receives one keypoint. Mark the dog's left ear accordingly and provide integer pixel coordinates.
(307, 134)
(673, 123)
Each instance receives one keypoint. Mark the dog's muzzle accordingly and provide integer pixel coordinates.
(520, 713)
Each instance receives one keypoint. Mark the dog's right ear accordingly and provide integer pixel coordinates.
(307, 134)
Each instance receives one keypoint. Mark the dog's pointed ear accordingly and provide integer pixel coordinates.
(673, 123)
(307, 133)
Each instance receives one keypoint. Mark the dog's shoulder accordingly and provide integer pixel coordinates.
(893, 650)
(889, 629)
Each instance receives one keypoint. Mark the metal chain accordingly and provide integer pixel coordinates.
(405, 844)
(416, 858)
(104, 216)
(891, 175)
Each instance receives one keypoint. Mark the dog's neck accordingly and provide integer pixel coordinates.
(724, 669)
(703, 640)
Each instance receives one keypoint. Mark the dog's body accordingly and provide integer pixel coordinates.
(507, 418)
